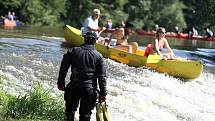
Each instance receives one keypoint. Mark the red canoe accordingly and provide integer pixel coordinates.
(9, 23)
(179, 36)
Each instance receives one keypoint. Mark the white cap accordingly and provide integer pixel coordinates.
(96, 11)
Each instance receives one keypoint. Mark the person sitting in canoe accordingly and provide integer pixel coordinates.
(92, 25)
(121, 35)
(10, 16)
(158, 44)
(209, 33)
(109, 24)
(176, 30)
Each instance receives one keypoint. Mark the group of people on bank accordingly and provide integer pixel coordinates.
(88, 73)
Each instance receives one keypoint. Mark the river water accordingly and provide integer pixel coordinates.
(31, 55)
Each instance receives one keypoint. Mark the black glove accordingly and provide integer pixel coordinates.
(61, 87)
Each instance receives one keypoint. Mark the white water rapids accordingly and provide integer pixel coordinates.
(134, 94)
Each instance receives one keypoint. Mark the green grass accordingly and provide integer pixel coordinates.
(36, 105)
(1, 79)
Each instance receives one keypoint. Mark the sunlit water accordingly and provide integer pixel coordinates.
(134, 94)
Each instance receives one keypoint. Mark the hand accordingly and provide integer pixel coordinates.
(173, 55)
(61, 87)
(163, 57)
(102, 29)
(102, 98)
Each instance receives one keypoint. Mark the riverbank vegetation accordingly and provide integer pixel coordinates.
(35, 105)
(142, 13)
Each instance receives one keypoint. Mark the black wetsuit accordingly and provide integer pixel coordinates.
(87, 66)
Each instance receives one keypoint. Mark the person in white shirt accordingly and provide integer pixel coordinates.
(92, 25)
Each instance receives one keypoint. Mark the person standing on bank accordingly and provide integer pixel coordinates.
(88, 72)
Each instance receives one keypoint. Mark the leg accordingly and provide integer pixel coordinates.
(134, 46)
(71, 104)
(100, 40)
(130, 49)
(87, 104)
(127, 48)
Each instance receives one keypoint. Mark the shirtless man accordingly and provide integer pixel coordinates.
(122, 42)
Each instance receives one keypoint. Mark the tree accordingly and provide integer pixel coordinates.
(200, 13)
(7, 5)
(149, 12)
(42, 12)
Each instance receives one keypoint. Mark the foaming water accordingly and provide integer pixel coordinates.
(134, 94)
(139, 94)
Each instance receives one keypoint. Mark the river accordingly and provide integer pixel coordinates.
(33, 54)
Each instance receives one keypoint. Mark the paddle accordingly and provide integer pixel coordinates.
(102, 112)
(153, 59)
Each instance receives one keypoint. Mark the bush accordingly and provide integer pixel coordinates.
(37, 104)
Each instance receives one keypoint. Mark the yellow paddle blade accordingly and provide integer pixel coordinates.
(99, 112)
(105, 112)
(102, 112)
(153, 59)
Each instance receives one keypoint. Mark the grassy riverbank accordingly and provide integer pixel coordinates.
(35, 105)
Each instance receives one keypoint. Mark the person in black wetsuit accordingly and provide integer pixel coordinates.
(88, 72)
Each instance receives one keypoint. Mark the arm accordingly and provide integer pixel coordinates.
(166, 44)
(171, 54)
(98, 29)
(101, 74)
(157, 49)
(65, 64)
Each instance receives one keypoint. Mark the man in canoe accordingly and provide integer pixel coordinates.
(209, 33)
(121, 34)
(158, 44)
(92, 25)
(88, 72)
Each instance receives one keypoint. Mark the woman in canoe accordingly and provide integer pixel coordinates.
(158, 44)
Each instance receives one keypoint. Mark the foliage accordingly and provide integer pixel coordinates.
(1, 79)
(142, 13)
(43, 12)
(200, 13)
(37, 104)
(149, 12)
(8, 5)
(39, 12)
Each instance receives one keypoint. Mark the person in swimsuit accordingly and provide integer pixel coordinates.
(160, 42)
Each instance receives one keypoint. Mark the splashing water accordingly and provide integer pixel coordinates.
(134, 94)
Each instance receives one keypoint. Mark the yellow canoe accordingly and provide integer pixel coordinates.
(183, 68)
